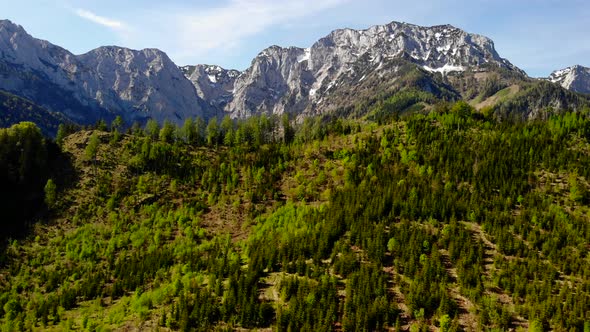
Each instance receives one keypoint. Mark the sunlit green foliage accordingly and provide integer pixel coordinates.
(449, 219)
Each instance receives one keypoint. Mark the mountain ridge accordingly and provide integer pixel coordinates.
(108, 81)
(213, 83)
(574, 78)
(297, 80)
(345, 69)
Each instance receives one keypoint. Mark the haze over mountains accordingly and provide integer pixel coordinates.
(345, 69)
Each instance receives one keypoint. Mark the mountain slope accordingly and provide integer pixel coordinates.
(301, 81)
(14, 109)
(102, 83)
(539, 99)
(347, 71)
(41, 72)
(575, 78)
(344, 73)
(425, 223)
(213, 83)
(139, 84)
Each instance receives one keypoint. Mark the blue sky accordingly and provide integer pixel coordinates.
(536, 35)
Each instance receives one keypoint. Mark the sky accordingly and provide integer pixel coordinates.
(538, 36)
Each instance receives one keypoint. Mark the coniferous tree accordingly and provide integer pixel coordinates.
(50, 193)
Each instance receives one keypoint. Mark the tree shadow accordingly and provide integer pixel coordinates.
(22, 201)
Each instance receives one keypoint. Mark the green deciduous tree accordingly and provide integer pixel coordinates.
(212, 132)
(189, 131)
(117, 123)
(167, 132)
(152, 129)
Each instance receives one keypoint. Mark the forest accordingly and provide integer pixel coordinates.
(448, 220)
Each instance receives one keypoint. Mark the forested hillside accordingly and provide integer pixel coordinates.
(449, 221)
(14, 109)
(27, 161)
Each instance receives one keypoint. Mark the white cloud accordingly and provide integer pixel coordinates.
(228, 26)
(104, 21)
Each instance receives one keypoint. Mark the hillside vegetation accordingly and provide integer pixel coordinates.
(449, 221)
(15, 109)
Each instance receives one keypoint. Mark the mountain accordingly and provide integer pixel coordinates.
(349, 71)
(15, 109)
(345, 73)
(213, 83)
(142, 83)
(102, 83)
(43, 73)
(575, 78)
(302, 80)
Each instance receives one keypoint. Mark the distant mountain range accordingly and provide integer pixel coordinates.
(342, 73)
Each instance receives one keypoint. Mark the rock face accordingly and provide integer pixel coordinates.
(102, 83)
(144, 83)
(41, 72)
(575, 78)
(279, 80)
(344, 69)
(213, 83)
(297, 80)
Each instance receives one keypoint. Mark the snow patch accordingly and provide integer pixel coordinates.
(305, 56)
(212, 78)
(331, 85)
(233, 73)
(444, 69)
(558, 75)
(565, 77)
(445, 49)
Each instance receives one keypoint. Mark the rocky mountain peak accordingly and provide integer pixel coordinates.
(330, 74)
(18, 47)
(442, 48)
(9, 30)
(213, 83)
(106, 81)
(152, 59)
(294, 79)
(575, 78)
(145, 81)
(9, 26)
